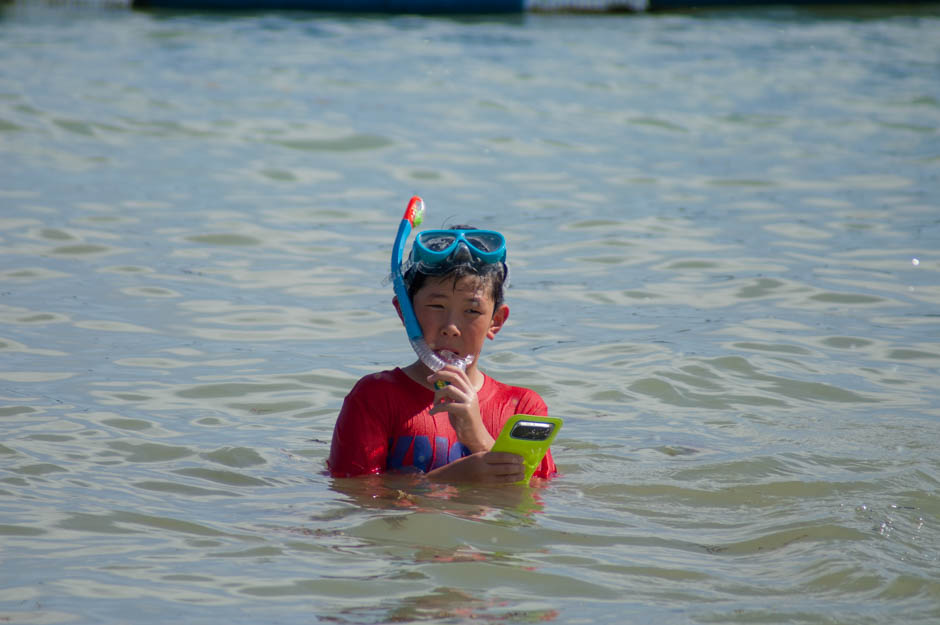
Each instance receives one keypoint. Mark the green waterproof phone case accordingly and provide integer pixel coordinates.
(528, 436)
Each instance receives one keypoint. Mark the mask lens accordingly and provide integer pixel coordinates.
(438, 242)
(484, 241)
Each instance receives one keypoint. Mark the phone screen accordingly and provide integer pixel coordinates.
(532, 430)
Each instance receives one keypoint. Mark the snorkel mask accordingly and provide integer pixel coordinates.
(436, 252)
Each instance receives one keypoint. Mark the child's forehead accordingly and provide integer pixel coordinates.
(469, 286)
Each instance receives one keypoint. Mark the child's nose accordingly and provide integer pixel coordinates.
(450, 328)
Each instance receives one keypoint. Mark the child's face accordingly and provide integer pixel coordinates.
(457, 317)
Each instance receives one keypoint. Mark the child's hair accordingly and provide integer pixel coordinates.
(492, 275)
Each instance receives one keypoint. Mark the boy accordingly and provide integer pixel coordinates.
(441, 423)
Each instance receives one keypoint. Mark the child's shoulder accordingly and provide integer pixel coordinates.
(503, 387)
(380, 379)
(494, 389)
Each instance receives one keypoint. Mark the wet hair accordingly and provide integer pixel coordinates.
(492, 275)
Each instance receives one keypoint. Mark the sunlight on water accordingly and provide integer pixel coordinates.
(723, 239)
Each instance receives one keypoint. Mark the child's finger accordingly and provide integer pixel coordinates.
(505, 465)
(504, 457)
(449, 375)
(446, 399)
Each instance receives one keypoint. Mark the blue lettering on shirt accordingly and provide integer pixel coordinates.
(457, 450)
(421, 456)
(440, 452)
(396, 459)
(421, 453)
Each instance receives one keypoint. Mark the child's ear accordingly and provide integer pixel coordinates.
(397, 308)
(496, 324)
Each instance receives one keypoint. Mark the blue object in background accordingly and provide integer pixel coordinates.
(350, 6)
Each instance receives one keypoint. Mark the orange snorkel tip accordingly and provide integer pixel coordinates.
(415, 211)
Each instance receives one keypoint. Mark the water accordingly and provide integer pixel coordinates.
(723, 230)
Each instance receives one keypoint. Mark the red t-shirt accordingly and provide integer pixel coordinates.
(386, 425)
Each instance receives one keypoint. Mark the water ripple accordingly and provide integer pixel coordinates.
(724, 280)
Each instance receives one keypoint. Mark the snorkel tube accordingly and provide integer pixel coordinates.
(412, 218)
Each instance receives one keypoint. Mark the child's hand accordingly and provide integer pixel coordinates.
(488, 467)
(458, 398)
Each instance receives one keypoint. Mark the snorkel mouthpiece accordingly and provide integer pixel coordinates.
(413, 217)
